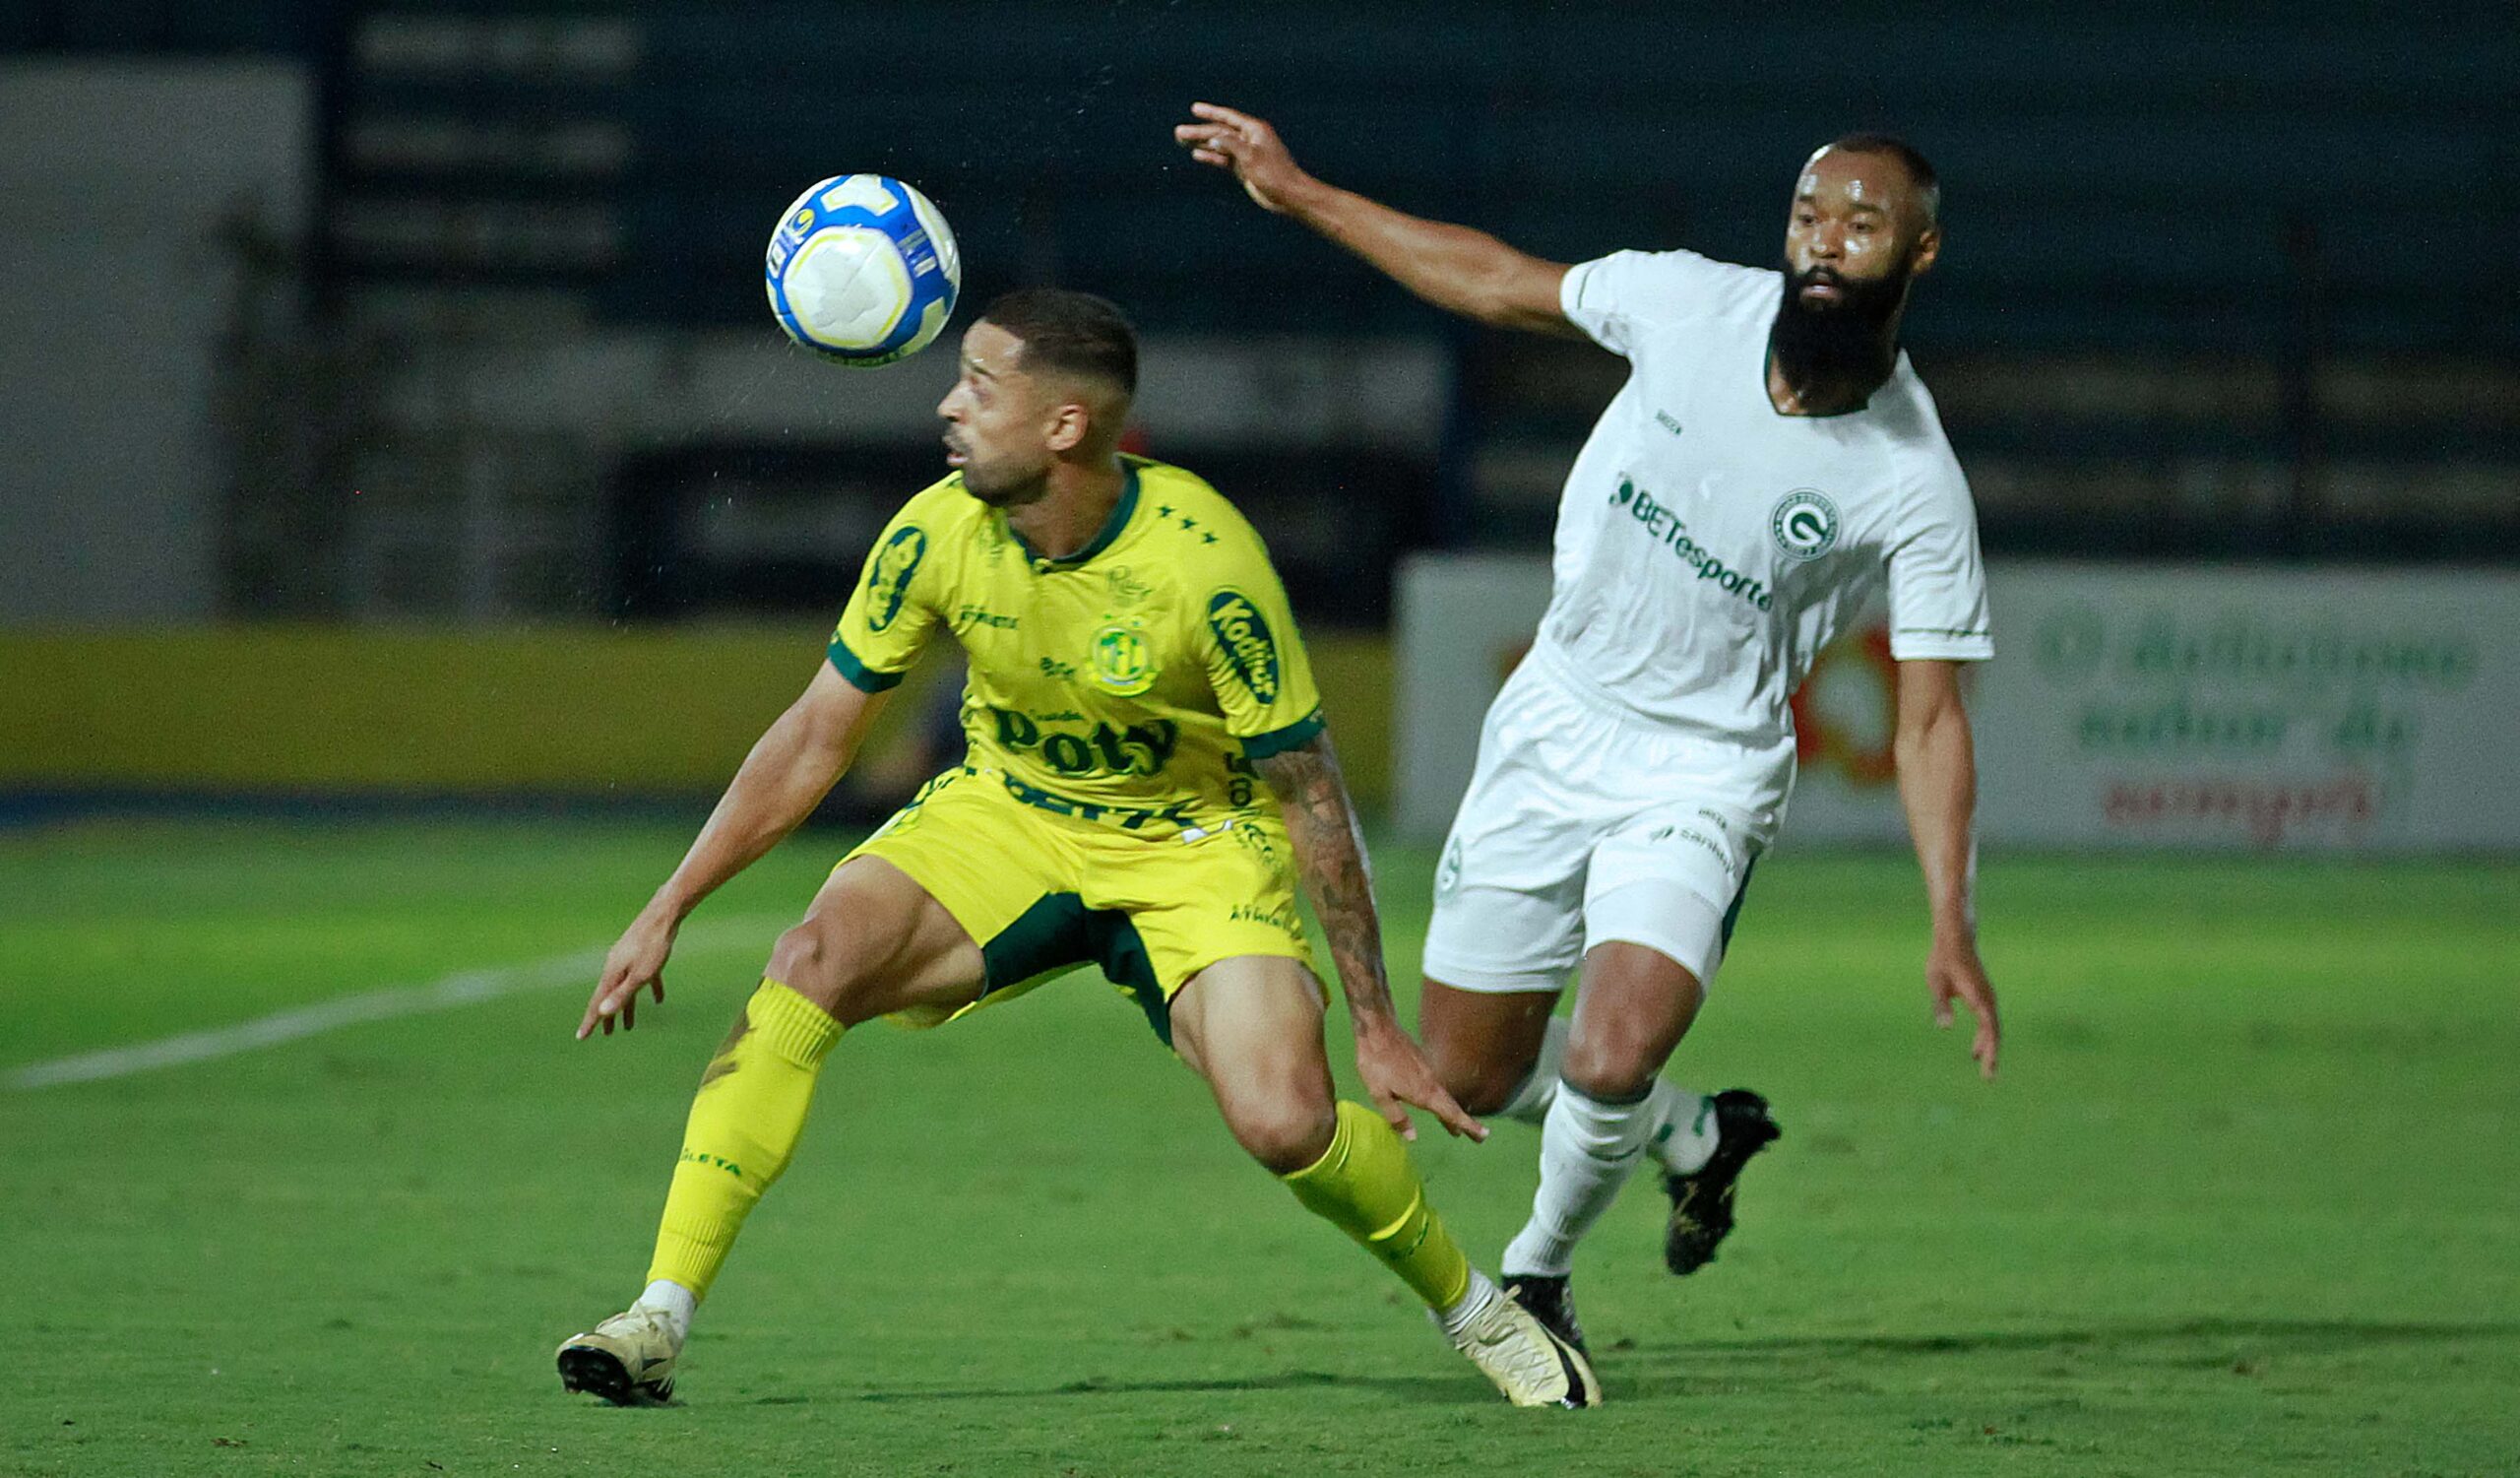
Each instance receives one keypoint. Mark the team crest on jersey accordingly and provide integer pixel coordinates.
(1805, 525)
(1121, 662)
(888, 574)
(1248, 644)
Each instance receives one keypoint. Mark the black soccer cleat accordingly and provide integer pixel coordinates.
(1702, 1200)
(1551, 1301)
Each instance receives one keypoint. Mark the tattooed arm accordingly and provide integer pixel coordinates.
(1330, 853)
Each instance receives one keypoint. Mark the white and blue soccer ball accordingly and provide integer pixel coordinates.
(863, 270)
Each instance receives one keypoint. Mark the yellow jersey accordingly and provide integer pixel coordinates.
(1130, 684)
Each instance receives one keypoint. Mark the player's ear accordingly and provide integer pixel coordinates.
(1929, 248)
(1070, 425)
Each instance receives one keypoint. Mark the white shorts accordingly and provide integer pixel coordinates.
(1585, 823)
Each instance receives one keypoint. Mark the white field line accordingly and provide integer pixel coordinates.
(462, 988)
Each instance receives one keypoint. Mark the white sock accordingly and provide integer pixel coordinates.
(1472, 1303)
(1586, 1151)
(1684, 1133)
(675, 1302)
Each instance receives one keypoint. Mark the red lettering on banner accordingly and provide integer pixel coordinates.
(2266, 809)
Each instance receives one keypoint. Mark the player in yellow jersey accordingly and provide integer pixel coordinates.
(1148, 774)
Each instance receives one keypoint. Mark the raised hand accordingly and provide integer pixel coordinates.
(1249, 148)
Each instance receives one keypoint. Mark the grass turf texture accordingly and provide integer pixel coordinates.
(2243, 1202)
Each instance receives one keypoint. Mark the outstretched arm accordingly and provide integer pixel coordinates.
(1455, 268)
(1939, 787)
(791, 767)
(1330, 853)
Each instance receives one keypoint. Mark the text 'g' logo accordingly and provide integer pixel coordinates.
(1248, 645)
(1804, 524)
(888, 575)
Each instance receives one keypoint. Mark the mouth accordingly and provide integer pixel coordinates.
(1822, 289)
(954, 456)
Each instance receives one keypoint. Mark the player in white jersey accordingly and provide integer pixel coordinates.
(1772, 464)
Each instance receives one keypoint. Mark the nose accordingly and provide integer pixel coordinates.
(1828, 242)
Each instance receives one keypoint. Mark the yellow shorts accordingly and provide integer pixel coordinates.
(1042, 893)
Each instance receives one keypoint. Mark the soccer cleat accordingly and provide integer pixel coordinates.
(628, 1359)
(1702, 1200)
(1530, 1365)
(1551, 1301)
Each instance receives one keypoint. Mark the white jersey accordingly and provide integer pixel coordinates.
(1708, 547)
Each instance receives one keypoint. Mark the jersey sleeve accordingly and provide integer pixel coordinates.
(893, 610)
(1255, 658)
(1609, 296)
(1938, 578)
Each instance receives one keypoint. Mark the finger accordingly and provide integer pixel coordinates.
(1211, 156)
(657, 987)
(1455, 1118)
(1395, 1116)
(630, 1010)
(1218, 112)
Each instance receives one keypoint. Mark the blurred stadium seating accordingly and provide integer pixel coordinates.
(2174, 316)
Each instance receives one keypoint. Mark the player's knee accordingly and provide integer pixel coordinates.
(1285, 1134)
(810, 961)
(1611, 1064)
(1475, 1079)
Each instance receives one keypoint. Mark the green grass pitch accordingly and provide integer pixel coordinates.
(2246, 1199)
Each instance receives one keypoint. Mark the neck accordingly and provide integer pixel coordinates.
(1076, 501)
(1824, 394)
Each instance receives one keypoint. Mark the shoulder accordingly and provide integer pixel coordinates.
(1661, 283)
(1927, 472)
(1191, 522)
(942, 505)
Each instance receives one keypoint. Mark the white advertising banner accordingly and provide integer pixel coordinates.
(2189, 707)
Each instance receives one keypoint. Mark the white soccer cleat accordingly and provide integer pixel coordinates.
(1530, 1365)
(628, 1359)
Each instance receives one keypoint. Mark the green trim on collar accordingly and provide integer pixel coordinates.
(1121, 512)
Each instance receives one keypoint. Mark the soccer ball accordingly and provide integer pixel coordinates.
(863, 270)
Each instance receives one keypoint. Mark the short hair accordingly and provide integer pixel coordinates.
(1918, 167)
(1076, 333)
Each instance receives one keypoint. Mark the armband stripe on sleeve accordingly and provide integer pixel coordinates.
(860, 676)
(1294, 735)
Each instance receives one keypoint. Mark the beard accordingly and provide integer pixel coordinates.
(1849, 340)
(999, 485)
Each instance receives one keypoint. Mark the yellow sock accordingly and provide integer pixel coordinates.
(743, 1127)
(1365, 1186)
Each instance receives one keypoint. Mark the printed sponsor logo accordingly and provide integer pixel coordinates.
(974, 616)
(1448, 872)
(1142, 749)
(1662, 523)
(888, 574)
(1248, 642)
(1276, 918)
(1804, 524)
